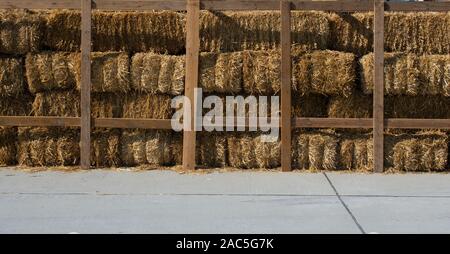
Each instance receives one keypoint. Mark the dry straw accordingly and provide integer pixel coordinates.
(11, 77)
(138, 105)
(105, 148)
(360, 106)
(8, 139)
(48, 71)
(161, 32)
(259, 30)
(211, 149)
(421, 33)
(158, 74)
(20, 31)
(48, 147)
(67, 104)
(16, 106)
(409, 74)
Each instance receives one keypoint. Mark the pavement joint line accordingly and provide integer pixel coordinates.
(345, 205)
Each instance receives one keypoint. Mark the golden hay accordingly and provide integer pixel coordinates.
(259, 30)
(315, 150)
(356, 152)
(110, 72)
(67, 104)
(105, 146)
(8, 138)
(261, 72)
(221, 73)
(408, 74)
(421, 33)
(48, 147)
(211, 149)
(161, 32)
(50, 70)
(11, 77)
(137, 105)
(21, 31)
(154, 147)
(325, 72)
(360, 106)
(16, 106)
(155, 73)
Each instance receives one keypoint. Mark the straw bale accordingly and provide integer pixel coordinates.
(158, 31)
(259, 30)
(408, 74)
(315, 150)
(138, 105)
(155, 73)
(16, 106)
(211, 149)
(312, 105)
(221, 73)
(11, 77)
(356, 152)
(105, 146)
(48, 71)
(325, 72)
(21, 31)
(418, 32)
(67, 104)
(261, 72)
(8, 139)
(48, 147)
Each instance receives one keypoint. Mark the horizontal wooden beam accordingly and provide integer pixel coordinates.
(222, 5)
(129, 123)
(39, 121)
(352, 123)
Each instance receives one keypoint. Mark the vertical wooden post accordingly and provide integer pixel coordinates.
(286, 119)
(192, 62)
(85, 140)
(378, 92)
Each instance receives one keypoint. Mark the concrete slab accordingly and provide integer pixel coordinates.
(392, 185)
(401, 215)
(90, 213)
(163, 182)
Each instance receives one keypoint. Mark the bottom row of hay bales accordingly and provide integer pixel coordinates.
(312, 149)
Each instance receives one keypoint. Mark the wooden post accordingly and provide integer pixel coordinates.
(286, 119)
(85, 141)
(378, 92)
(192, 58)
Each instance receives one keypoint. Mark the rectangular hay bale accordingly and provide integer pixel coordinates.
(16, 106)
(140, 105)
(11, 77)
(8, 139)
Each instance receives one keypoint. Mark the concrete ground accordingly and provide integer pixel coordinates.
(100, 201)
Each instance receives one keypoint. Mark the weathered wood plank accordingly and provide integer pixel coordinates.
(192, 61)
(85, 142)
(128, 123)
(39, 121)
(378, 91)
(286, 120)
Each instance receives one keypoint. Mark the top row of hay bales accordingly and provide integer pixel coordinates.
(165, 32)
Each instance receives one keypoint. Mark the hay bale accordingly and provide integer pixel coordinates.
(16, 106)
(356, 152)
(324, 72)
(48, 147)
(8, 139)
(11, 77)
(211, 149)
(138, 105)
(105, 146)
(154, 147)
(221, 73)
(155, 73)
(360, 106)
(21, 31)
(259, 30)
(261, 72)
(312, 105)
(421, 33)
(419, 152)
(67, 104)
(48, 71)
(110, 72)
(408, 74)
(314, 150)
(158, 31)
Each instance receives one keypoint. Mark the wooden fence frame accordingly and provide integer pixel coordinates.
(86, 123)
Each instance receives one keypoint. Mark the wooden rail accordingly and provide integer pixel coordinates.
(224, 5)
(378, 123)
